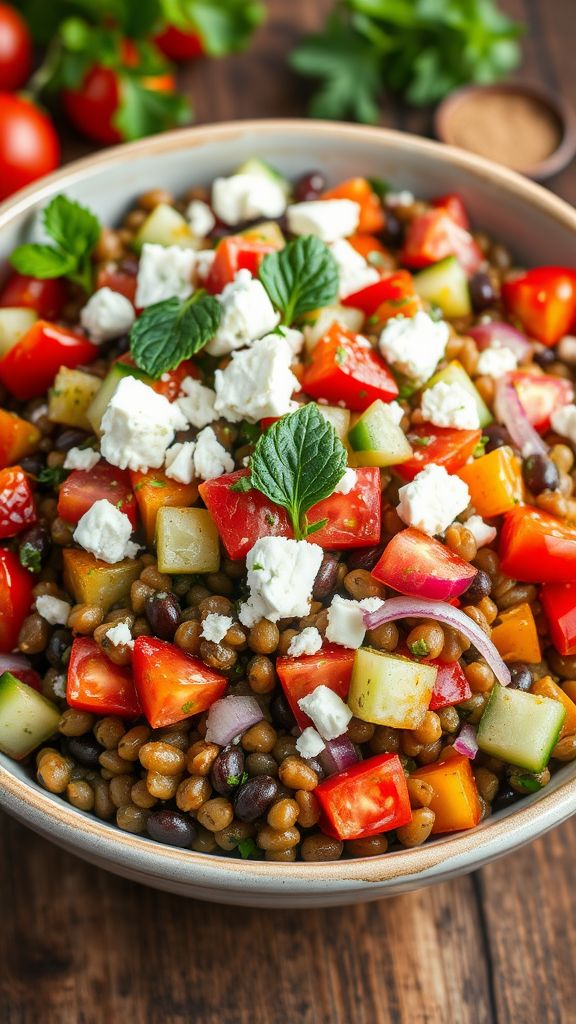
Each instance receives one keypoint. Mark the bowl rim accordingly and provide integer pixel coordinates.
(459, 851)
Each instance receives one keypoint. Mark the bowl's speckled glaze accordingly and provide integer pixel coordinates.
(539, 228)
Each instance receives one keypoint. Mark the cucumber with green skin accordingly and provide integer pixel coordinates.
(454, 373)
(165, 226)
(376, 440)
(520, 728)
(386, 689)
(445, 285)
(27, 719)
(254, 165)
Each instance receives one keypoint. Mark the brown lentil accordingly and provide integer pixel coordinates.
(34, 634)
(385, 740)
(565, 749)
(360, 731)
(480, 676)
(204, 841)
(192, 792)
(263, 638)
(80, 794)
(449, 719)
(283, 814)
(284, 747)
(308, 808)
(360, 584)
(419, 791)
(140, 796)
(319, 847)
(371, 846)
(130, 744)
(112, 762)
(109, 731)
(84, 618)
(201, 757)
(75, 723)
(429, 637)
(416, 831)
(216, 814)
(131, 818)
(261, 674)
(281, 856)
(461, 541)
(261, 764)
(163, 787)
(162, 757)
(384, 637)
(229, 837)
(120, 789)
(269, 839)
(103, 806)
(54, 772)
(260, 738)
(296, 774)
(487, 783)
(156, 580)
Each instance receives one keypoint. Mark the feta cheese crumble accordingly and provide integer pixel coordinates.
(107, 315)
(395, 412)
(138, 426)
(450, 405)
(247, 196)
(53, 609)
(347, 482)
(210, 457)
(164, 272)
(197, 403)
(310, 743)
(328, 712)
(346, 620)
(179, 463)
(328, 219)
(355, 272)
(281, 574)
(59, 687)
(81, 458)
(309, 641)
(432, 500)
(120, 635)
(200, 218)
(482, 532)
(257, 382)
(563, 421)
(247, 314)
(495, 361)
(215, 627)
(414, 345)
(105, 531)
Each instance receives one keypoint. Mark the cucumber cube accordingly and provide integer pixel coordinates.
(389, 690)
(455, 373)
(445, 284)
(376, 440)
(338, 417)
(520, 728)
(70, 397)
(187, 541)
(27, 718)
(255, 165)
(165, 226)
(319, 322)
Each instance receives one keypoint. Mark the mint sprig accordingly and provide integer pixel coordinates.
(301, 277)
(75, 231)
(297, 462)
(169, 332)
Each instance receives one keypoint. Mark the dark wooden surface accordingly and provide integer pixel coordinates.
(78, 946)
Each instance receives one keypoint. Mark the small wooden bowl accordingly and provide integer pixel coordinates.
(555, 104)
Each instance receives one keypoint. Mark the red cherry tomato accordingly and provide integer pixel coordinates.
(444, 446)
(29, 146)
(544, 301)
(369, 798)
(178, 45)
(453, 205)
(420, 566)
(85, 486)
(30, 366)
(96, 684)
(17, 506)
(435, 235)
(331, 667)
(535, 547)
(171, 684)
(346, 368)
(541, 394)
(15, 598)
(46, 297)
(234, 254)
(15, 49)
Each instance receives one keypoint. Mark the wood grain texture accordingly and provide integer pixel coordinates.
(79, 946)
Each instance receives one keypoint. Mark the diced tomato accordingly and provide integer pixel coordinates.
(359, 190)
(47, 297)
(96, 684)
(17, 506)
(535, 547)
(331, 667)
(435, 235)
(541, 394)
(369, 798)
(370, 248)
(170, 383)
(453, 205)
(451, 686)
(118, 280)
(233, 254)
(172, 685)
(544, 301)
(393, 290)
(243, 517)
(29, 368)
(15, 598)
(346, 369)
(85, 486)
(18, 438)
(420, 566)
(442, 445)
(559, 604)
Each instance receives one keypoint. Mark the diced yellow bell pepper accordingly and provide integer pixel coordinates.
(91, 581)
(494, 482)
(516, 637)
(455, 803)
(546, 687)
(154, 490)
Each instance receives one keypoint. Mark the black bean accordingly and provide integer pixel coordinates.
(84, 749)
(163, 614)
(497, 437)
(58, 649)
(34, 547)
(393, 233)
(33, 464)
(254, 797)
(70, 439)
(282, 712)
(504, 798)
(171, 827)
(545, 357)
(309, 186)
(482, 292)
(540, 474)
(521, 676)
(480, 586)
(227, 770)
(364, 558)
(326, 578)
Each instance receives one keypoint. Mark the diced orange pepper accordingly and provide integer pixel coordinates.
(494, 482)
(18, 438)
(94, 582)
(569, 688)
(455, 802)
(366, 244)
(359, 190)
(546, 687)
(154, 490)
(516, 637)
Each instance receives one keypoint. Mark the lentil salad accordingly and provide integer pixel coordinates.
(396, 356)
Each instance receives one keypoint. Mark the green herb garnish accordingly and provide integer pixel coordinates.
(480, 448)
(30, 557)
(247, 848)
(301, 277)
(420, 649)
(53, 476)
(171, 331)
(75, 231)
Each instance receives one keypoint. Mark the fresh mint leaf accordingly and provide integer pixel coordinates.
(297, 462)
(169, 332)
(41, 261)
(301, 277)
(75, 230)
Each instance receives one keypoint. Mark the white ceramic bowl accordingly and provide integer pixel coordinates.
(539, 228)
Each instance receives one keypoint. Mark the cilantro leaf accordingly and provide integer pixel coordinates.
(225, 26)
(75, 230)
(300, 277)
(297, 462)
(170, 331)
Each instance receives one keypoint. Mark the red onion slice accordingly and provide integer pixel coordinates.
(230, 717)
(338, 755)
(501, 335)
(510, 412)
(422, 608)
(466, 742)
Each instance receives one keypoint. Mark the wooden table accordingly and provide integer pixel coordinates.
(79, 946)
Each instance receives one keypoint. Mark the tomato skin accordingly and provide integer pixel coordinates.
(544, 301)
(369, 798)
(331, 667)
(359, 190)
(454, 205)
(15, 49)
(446, 447)
(85, 486)
(435, 235)
(540, 395)
(118, 280)
(535, 547)
(178, 45)
(367, 244)
(30, 366)
(94, 683)
(46, 297)
(17, 506)
(234, 254)
(342, 369)
(242, 518)
(172, 685)
(396, 288)
(29, 146)
(16, 585)
(419, 566)
(559, 603)
(451, 686)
